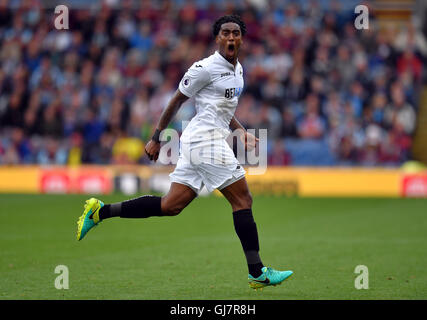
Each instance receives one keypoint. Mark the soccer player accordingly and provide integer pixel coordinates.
(216, 83)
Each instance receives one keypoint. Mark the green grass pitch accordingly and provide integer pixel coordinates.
(197, 254)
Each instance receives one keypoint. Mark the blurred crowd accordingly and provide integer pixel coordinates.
(93, 93)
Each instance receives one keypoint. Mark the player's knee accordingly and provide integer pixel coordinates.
(243, 202)
(171, 209)
(248, 200)
(174, 211)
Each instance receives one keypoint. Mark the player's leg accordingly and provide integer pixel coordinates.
(171, 204)
(178, 197)
(240, 199)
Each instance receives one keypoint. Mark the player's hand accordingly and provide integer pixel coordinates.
(152, 149)
(249, 140)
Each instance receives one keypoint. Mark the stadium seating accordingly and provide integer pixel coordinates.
(326, 92)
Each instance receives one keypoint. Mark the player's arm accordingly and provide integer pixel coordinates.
(153, 146)
(193, 81)
(173, 106)
(235, 124)
(248, 139)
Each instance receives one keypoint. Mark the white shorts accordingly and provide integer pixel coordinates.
(215, 169)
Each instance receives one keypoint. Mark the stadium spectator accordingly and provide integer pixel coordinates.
(289, 128)
(311, 126)
(279, 156)
(400, 111)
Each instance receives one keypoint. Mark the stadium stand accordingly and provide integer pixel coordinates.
(327, 93)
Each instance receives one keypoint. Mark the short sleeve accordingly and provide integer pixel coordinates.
(196, 78)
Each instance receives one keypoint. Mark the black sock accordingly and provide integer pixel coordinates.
(142, 207)
(110, 210)
(246, 230)
(255, 269)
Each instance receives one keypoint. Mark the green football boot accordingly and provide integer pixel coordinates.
(269, 277)
(89, 218)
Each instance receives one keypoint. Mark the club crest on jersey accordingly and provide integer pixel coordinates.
(232, 92)
(186, 82)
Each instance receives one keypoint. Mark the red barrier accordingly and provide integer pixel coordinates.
(84, 180)
(414, 185)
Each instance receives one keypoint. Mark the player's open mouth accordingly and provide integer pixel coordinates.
(230, 48)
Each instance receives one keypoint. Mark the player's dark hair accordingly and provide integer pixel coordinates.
(230, 18)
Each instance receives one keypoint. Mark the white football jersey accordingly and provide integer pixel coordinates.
(216, 86)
